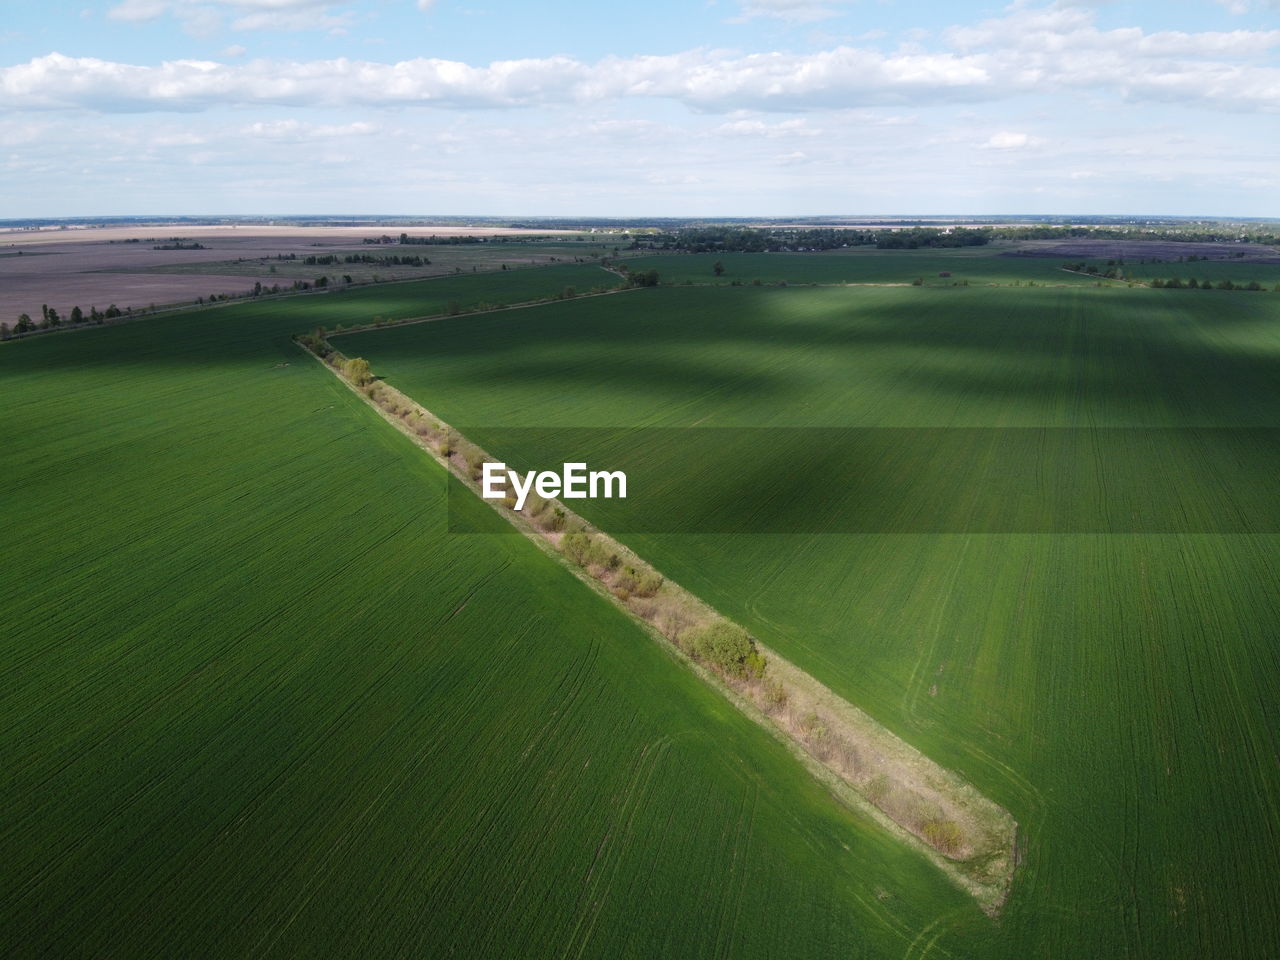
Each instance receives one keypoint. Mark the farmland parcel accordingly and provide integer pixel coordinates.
(1110, 690)
(259, 699)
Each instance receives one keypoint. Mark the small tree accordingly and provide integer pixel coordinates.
(577, 547)
(24, 324)
(4, 331)
(358, 372)
(77, 315)
(728, 647)
(718, 267)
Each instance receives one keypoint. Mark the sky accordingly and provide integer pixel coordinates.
(768, 108)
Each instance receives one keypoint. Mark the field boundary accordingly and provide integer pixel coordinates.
(130, 315)
(969, 837)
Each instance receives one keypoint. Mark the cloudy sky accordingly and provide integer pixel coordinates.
(667, 107)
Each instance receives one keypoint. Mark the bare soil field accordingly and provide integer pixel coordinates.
(85, 290)
(223, 231)
(1146, 249)
(101, 266)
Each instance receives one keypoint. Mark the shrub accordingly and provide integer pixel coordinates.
(576, 546)
(556, 520)
(727, 647)
(475, 460)
(814, 728)
(643, 583)
(943, 834)
(648, 583)
(603, 555)
(357, 371)
(775, 695)
(626, 579)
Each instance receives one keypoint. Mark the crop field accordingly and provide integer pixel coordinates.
(445, 259)
(259, 701)
(69, 269)
(1237, 271)
(1114, 691)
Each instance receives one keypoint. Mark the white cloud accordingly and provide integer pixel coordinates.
(297, 132)
(1009, 140)
(836, 78)
(795, 11)
(1238, 7)
(786, 129)
(139, 9)
(792, 159)
(1042, 50)
(206, 16)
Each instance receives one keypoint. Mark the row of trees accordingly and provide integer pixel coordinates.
(1176, 283)
(806, 240)
(405, 240)
(741, 239)
(637, 278)
(50, 318)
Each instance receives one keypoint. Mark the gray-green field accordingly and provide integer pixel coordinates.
(261, 701)
(1115, 692)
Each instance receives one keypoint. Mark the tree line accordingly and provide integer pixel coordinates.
(50, 318)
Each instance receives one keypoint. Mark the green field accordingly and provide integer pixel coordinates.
(1266, 274)
(259, 702)
(1116, 693)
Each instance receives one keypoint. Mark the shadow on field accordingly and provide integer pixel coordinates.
(1176, 350)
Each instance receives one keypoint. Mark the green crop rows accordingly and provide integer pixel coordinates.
(1116, 693)
(258, 702)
